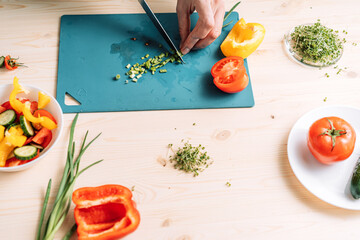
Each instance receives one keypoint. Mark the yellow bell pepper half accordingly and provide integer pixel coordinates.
(43, 100)
(243, 39)
(14, 102)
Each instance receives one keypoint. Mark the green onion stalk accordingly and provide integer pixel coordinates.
(63, 197)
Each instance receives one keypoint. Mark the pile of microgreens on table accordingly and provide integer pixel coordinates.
(317, 43)
(190, 159)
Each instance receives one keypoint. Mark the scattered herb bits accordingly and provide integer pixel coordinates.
(190, 159)
(228, 184)
(317, 44)
(117, 77)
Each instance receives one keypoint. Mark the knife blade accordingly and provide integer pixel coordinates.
(159, 27)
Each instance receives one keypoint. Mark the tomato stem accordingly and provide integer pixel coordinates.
(333, 133)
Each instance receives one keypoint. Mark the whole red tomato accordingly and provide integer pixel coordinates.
(331, 139)
(230, 74)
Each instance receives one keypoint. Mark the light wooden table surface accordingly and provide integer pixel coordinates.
(265, 200)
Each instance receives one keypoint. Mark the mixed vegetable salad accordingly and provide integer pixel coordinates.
(25, 127)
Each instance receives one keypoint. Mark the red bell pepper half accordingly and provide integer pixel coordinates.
(105, 212)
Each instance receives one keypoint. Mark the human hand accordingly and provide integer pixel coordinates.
(208, 27)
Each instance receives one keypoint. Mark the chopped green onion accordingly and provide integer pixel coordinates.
(117, 76)
(162, 70)
(128, 66)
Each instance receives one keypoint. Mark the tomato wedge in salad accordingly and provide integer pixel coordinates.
(230, 74)
(44, 113)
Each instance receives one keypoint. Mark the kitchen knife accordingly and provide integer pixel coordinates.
(159, 27)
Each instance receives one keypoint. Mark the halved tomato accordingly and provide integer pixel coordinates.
(230, 74)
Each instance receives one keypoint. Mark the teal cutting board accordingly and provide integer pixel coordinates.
(95, 48)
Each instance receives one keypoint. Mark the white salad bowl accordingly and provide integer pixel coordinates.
(53, 107)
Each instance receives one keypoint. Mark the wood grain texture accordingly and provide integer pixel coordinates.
(265, 200)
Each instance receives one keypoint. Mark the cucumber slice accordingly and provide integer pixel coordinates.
(26, 126)
(25, 152)
(7, 117)
(38, 146)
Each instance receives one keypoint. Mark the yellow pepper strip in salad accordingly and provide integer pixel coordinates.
(243, 39)
(13, 138)
(15, 103)
(2, 132)
(43, 100)
(28, 115)
(5, 150)
(48, 123)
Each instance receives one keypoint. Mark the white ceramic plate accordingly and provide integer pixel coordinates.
(328, 182)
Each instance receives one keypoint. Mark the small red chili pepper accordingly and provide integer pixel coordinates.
(105, 212)
(10, 63)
